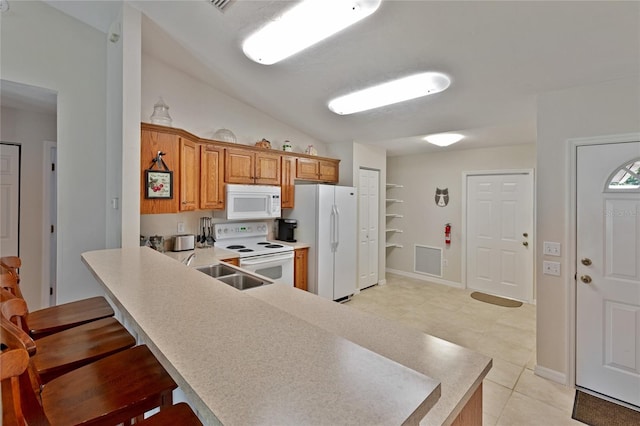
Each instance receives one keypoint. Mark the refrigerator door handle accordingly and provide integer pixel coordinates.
(337, 228)
(332, 228)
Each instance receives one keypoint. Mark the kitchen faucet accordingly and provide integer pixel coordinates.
(187, 261)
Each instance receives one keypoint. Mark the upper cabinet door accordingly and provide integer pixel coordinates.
(308, 168)
(211, 177)
(328, 171)
(288, 182)
(267, 168)
(189, 175)
(150, 143)
(240, 165)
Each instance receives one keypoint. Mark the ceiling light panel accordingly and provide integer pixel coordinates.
(304, 25)
(392, 92)
(444, 139)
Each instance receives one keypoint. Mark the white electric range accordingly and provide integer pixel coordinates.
(257, 254)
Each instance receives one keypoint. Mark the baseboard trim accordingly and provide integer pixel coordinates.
(422, 277)
(553, 375)
(382, 282)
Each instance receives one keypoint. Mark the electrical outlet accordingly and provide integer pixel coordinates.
(180, 227)
(551, 268)
(551, 249)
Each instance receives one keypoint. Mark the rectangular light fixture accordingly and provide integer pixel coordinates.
(444, 139)
(391, 92)
(304, 25)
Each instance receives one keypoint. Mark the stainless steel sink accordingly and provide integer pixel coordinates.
(217, 271)
(242, 282)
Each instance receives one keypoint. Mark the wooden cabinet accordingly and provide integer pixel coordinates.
(232, 261)
(287, 184)
(189, 174)
(211, 177)
(317, 169)
(300, 268)
(250, 167)
(152, 141)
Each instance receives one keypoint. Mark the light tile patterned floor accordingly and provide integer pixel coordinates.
(513, 395)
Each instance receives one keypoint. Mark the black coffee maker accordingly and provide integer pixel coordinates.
(285, 229)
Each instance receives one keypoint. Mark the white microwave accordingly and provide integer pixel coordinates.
(252, 202)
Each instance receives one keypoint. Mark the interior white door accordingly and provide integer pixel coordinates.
(9, 200)
(608, 271)
(368, 208)
(499, 228)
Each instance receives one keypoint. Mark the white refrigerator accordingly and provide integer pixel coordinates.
(327, 220)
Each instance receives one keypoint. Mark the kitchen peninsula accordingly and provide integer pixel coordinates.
(250, 358)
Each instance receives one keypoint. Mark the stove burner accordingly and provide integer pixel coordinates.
(273, 246)
(263, 243)
(245, 250)
(234, 247)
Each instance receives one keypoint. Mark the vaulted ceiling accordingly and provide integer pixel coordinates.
(500, 56)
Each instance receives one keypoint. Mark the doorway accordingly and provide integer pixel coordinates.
(607, 284)
(10, 158)
(368, 235)
(499, 231)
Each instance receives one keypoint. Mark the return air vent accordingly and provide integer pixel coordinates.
(428, 260)
(221, 5)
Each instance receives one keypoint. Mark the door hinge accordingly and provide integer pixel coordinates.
(52, 229)
(575, 276)
(53, 167)
(50, 291)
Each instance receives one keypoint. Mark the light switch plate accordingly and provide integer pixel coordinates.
(181, 227)
(551, 268)
(551, 248)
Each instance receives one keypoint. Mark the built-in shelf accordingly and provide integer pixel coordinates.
(392, 245)
(389, 244)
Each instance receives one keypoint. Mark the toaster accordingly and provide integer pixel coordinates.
(184, 242)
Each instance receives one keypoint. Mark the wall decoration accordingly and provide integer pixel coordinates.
(442, 197)
(159, 182)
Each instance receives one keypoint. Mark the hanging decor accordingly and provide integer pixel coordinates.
(159, 182)
(442, 197)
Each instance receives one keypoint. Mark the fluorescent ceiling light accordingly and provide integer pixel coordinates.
(402, 89)
(305, 24)
(444, 139)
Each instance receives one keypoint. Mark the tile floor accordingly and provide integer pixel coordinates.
(513, 395)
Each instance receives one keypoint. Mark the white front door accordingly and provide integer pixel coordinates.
(499, 227)
(9, 199)
(608, 270)
(368, 207)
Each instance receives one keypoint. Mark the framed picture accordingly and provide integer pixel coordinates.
(159, 184)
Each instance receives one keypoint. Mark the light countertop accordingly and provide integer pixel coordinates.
(243, 361)
(459, 370)
(204, 256)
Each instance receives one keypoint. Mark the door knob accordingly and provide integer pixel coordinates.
(586, 261)
(526, 244)
(585, 279)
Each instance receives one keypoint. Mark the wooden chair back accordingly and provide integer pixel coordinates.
(15, 309)
(20, 400)
(10, 282)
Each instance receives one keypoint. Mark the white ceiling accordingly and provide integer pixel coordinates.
(500, 55)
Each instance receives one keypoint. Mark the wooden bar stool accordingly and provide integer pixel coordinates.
(178, 414)
(110, 391)
(67, 350)
(44, 322)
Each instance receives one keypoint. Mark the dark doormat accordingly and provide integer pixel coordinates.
(495, 300)
(595, 411)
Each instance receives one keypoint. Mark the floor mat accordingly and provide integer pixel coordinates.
(495, 300)
(595, 411)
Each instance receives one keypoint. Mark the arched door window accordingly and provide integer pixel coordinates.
(625, 178)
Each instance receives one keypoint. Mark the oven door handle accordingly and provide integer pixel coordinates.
(266, 259)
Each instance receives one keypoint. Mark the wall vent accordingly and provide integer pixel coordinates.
(221, 5)
(428, 260)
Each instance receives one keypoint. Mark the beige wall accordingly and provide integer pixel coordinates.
(605, 109)
(45, 48)
(423, 221)
(30, 130)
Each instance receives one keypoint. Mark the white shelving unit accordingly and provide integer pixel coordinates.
(391, 216)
